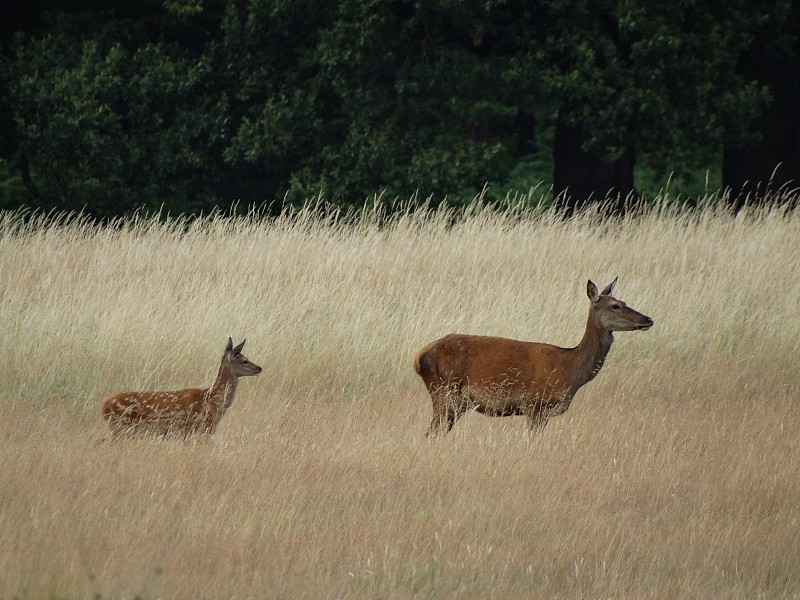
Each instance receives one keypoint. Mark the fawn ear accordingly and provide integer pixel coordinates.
(238, 349)
(591, 291)
(229, 347)
(609, 287)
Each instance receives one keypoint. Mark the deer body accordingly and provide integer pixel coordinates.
(502, 377)
(182, 412)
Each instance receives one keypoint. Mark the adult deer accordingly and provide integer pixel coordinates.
(500, 377)
(183, 412)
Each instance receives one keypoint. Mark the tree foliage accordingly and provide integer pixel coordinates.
(193, 104)
(642, 81)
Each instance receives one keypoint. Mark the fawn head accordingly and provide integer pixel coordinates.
(237, 362)
(614, 314)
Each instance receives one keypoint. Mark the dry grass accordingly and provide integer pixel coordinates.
(675, 473)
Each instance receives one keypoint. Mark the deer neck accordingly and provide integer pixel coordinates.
(222, 391)
(591, 353)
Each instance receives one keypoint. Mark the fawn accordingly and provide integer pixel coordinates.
(182, 412)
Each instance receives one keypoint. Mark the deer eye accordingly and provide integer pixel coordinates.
(615, 306)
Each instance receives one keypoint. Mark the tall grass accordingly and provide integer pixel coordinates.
(675, 473)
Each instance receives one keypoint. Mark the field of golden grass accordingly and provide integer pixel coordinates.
(674, 474)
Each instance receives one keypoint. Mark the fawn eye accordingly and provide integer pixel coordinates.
(615, 306)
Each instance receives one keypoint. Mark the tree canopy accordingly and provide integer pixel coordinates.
(195, 104)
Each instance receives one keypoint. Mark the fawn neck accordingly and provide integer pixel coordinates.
(223, 389)
(593, 349)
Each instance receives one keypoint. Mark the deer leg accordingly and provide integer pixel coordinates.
(447, 408)
(116, 429)
(441, 413)
(456, 405)
(537, 419)
(449, 416)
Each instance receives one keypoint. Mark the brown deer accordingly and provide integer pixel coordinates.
(182, 412)
(500, 377)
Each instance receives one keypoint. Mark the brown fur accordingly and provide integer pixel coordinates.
(502, 377)
(182, 412)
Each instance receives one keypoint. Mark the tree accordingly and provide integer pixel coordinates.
(196, 104)
(641, 78)
(108, 121)
(769, 158)
(377, 96)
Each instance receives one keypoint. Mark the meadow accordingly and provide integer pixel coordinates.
(674, 474)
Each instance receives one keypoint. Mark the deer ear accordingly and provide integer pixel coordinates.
(591, 291)
(238, 349)
(610, 287)
(229, 347)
